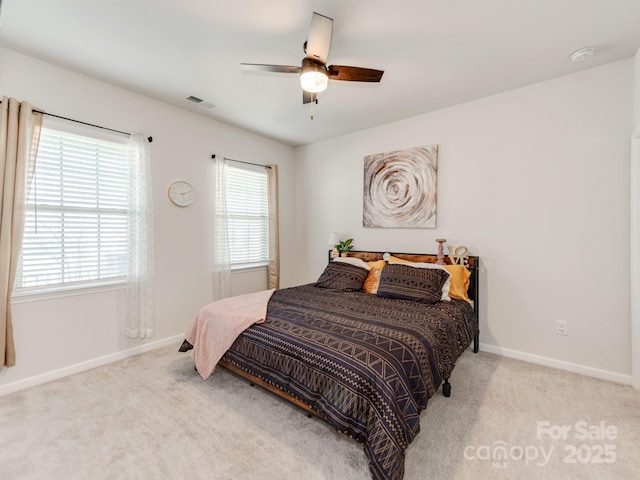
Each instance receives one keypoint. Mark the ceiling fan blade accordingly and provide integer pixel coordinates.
(308, 97)
(354, 74)
(259, 67)
(319, 39)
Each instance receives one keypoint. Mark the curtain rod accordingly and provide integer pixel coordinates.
(150, 139)
(240, 161)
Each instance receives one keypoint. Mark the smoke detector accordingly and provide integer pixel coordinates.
(582, 54)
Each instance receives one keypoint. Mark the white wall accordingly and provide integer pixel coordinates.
(536, 182)
(636, 90)
(58, 333)
(635, 227)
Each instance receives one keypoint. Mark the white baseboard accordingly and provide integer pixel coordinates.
(88, 365)
(562, 365)
(114, 357)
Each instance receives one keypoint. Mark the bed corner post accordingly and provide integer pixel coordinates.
(446, 388)
(476, 294)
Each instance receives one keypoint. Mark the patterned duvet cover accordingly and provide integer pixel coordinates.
(367, 364)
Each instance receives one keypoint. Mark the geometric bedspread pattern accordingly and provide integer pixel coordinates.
(367, 364)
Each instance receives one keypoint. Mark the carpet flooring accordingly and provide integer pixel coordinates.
(152, 417)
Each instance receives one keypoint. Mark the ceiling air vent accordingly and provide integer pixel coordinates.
(199, 101)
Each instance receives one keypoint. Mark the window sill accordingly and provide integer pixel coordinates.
(27, 297)
(248, 267)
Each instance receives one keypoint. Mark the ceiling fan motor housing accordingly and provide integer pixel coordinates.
(314, 76)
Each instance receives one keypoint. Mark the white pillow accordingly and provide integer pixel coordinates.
(447, 285)
(358, 262)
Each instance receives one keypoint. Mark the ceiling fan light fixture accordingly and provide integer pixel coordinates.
(313, 76)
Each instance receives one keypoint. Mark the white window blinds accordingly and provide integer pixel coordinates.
(247, 215)
(76, 229)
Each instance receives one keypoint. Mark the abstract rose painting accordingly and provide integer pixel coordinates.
(400, 188)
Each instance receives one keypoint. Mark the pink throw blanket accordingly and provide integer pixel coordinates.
(217, 325)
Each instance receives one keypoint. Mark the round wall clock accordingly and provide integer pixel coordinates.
(181, 193)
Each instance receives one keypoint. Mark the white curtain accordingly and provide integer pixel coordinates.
(19, 136)
(221, 255)
(140, 293)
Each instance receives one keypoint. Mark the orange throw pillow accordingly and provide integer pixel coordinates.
(459, 281)
(373, 280)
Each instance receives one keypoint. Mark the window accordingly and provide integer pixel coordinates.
(76, 227)
(247, 215)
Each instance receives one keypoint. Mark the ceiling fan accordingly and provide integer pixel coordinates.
(314, 72)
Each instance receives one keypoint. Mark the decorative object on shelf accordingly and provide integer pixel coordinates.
(181, 193)
(334, 239)
(440, 260)
(345, 246)
(400, 188)
(459, 255)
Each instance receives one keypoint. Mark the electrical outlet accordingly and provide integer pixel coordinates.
(562, 327)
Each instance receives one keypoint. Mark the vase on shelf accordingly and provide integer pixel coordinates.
(441, 260)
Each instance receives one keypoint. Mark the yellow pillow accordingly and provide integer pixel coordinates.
(459, 281)
(373, 280)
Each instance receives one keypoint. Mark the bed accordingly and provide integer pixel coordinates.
(365, 363)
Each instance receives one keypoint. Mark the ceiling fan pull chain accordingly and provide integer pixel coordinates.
(314, 100)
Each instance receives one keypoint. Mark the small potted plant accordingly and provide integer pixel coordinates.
(345, 246)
